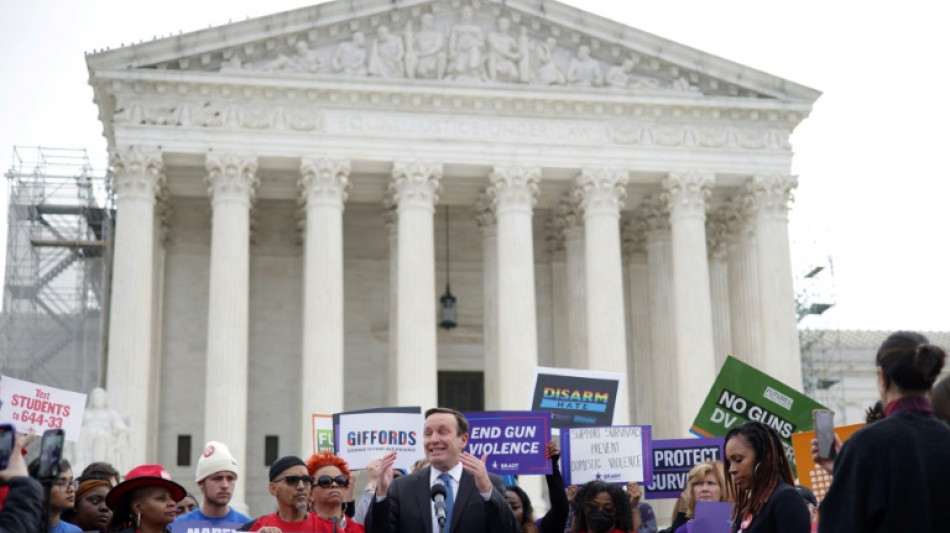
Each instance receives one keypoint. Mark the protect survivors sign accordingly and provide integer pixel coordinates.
(515, 441)
(616, 454)
(672, 461)
(742, 393)
(577, 398)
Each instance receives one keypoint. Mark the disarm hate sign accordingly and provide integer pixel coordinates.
(577, 398)
(616, 454)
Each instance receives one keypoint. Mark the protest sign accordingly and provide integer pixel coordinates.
(711, 517)
(34, 408)
(673, 459)
(811, 475)
(577, 398)
(742, 393)
(322, 426)
(615, 454)
(361, 436)
(515, 441)
(204, 526)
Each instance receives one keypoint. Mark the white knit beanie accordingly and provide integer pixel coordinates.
(215, 458)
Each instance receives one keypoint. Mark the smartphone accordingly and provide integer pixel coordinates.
(825, 432)
(51, 451)
(7, 438)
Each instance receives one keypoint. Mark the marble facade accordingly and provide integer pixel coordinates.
(619, 202)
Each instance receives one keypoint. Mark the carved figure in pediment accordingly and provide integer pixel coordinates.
(642, 82)
(682, 84)
(584, 70)
(503, 54)
(232, 63)
(465, 48)
(386, 55)
(302, 60)
(618, 76)
(425, 51)
(546, 70)
(350, 56)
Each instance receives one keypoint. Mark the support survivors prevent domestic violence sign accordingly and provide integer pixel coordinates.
(515, 441)
(577, 398)
(672, 461)
(615, 454)
(742, 393)
(34, 408)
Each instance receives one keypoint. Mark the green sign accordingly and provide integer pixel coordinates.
(741, 393)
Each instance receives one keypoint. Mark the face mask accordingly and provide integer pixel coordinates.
(599, 522)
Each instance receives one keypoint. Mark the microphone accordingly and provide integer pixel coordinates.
(437, 494)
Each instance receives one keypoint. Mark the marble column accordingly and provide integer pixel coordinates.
(772, 194)
(559, 296)
(415, 187)
(514, 190)
(391, 219)
(574, 250)
(232, 183)
(666, 386)
(686, 194)
(324, 185)
(487, 223)
(639, 358)
(718, 247)
(138, 177)
(600, 194)
(745, 317)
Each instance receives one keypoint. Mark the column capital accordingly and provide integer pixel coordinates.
(163, 213)
(137, 173)
(514, 187)
(770, 194)
(634, 236)
(324, 181)
(686, 193)
(718, 235)
(416, 184)
(601, 190)
(231, 177)
(655, 212)
(485, 213)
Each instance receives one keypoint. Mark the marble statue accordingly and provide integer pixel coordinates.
(547, 71)
(503, 54)
(303, 60)
(465, 48)
(584, 70)
(104, 436)
(619, 75)
(350, 57)
(386, 55)
(425, 51)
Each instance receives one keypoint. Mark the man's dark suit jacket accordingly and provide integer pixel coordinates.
(408, 508)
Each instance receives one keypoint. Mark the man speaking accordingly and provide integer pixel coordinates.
(474, 501)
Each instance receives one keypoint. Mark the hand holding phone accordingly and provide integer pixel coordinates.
(825, 432)
(7, 442)
(51, 451)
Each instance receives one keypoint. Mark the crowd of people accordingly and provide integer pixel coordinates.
(887, 477)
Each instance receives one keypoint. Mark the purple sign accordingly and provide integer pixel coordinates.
(712, 517)
(515, 441)
(673, 459)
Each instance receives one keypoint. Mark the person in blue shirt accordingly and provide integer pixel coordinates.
(216, 476)
(62, 496)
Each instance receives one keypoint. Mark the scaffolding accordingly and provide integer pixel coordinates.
(56, 288)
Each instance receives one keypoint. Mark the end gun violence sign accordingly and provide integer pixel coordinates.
(742, 393)
(515, 441)
(615, 454)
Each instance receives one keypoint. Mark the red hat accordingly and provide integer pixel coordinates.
(144, 476)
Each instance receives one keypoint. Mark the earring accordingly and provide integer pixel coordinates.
(138, 520)
(756, 469)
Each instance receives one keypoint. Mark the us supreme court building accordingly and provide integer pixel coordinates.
(293, 190)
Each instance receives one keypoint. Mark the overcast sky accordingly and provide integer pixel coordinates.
(872, 159)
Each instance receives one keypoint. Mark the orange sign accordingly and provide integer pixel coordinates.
(809, 474)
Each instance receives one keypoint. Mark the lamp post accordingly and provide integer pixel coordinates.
(447, 316)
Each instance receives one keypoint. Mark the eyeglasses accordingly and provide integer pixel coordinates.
(324, 481)
(66, 483)
(293, 481)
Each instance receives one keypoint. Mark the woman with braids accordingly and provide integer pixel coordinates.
(145, 502)
(760, 477)
(601, 507)
(892, 475)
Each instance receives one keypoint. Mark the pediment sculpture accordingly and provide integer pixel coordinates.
(458, 46)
